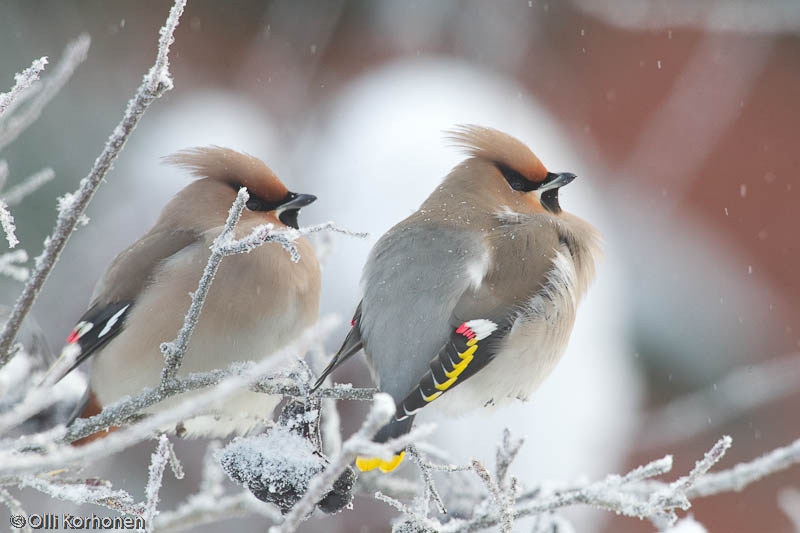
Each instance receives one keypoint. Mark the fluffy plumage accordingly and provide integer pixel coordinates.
(257, 304)
(490, 246)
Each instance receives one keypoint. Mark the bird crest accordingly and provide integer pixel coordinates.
(498, 147)
(232, 167)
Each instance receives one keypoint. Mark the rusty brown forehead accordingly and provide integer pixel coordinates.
(500, 148)
(266, 186)
(530, 167)
(232, 167)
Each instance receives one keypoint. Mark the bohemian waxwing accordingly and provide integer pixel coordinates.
(257, 303)
(482, 282)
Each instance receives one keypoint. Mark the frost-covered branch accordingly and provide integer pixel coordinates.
(707, 408)
(383, 408)
(12, 463)
(211, 504)
(82, 491)
(7, 223)
(17, 193)
(158, 463)
(173, 351)
(123, 411)
(156, 82)
(430, 491)
(224, 245)
(634, 494)
(284, 236)
(13, 124)
(23, 80)
(201, 510)
(35, 400)
(743, 474)
(14, 506)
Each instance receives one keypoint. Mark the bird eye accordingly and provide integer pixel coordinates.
(515, 180)
(255, 204)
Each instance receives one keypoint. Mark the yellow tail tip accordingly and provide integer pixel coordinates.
(365, 464)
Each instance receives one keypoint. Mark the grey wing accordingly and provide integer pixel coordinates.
(486, 313)
(115, 296)
(135, 266)
(414, 277)
(483, 317)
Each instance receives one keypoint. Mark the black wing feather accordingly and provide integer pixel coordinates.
(97, 326)
(351, 345)
(470, 348)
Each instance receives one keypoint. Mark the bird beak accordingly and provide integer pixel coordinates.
(297, 201)
(554, 181)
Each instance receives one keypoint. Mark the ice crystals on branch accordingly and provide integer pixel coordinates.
(23, 81)
(13, 123)
(275, 467)
(31, 184)
(68, 219)
(224, 245)
(158, 463)
(7, 222)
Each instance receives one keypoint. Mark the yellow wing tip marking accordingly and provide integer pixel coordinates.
(466, 358)
(365, 464)
(444, 386)
(432, 397)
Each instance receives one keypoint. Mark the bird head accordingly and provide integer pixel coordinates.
(223, 172)
(505, 171)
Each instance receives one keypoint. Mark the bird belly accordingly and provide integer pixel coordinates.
(251, 333)
(530, 351)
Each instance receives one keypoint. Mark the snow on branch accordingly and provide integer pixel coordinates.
(13, 125)
(743, 474)
(125, 410)
(13, 463)
(211, 504)
(23, 82)
(634, 494)
(690, 415)
(81, 491)
(14, 506)
(224, 245)
(158, 463)
(201, 510)
(173, 351)
(156, 82)
(7, 223)
(29, 185)
(383, 408)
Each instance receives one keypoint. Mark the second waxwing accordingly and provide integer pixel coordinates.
(257, 304)
(470, 301)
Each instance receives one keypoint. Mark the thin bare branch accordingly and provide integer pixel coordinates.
(23, 82)
(158, 463)
(743, 474)
(12, 125)
(173, 351)
(701, 411)
(156, 82)
(31, 184)
(383, 408)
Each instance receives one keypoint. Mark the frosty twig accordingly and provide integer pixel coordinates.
(155, 83)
